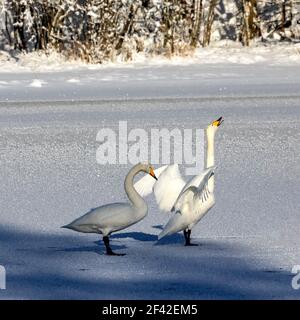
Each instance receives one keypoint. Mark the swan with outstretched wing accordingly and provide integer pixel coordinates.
(171, 191)
(192, 204)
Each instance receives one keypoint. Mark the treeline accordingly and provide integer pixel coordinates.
(100, 30)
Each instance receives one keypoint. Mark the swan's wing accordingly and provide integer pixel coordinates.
(168, 187)
(196, 189)
(196, 180)
(144, 186)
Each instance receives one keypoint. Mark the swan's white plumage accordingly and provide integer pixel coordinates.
(144, 186)
(115, 216)
(198, 182)
(189, 200)
(195, 190)
(197, 196)
(167, 188)
(192, 204)
(107, 219)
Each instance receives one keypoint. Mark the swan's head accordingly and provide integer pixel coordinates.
(213, 127)
(147, 168)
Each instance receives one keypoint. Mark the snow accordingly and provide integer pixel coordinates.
(36, 83)
(249, 242)
(223, 51)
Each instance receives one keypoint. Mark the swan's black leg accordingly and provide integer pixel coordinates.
(109, 251)
(187, 236)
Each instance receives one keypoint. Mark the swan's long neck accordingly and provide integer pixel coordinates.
(132, 194)
(210, 157)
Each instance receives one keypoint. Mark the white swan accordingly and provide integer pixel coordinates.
(192, 204)
(191, 200)
(115, 216)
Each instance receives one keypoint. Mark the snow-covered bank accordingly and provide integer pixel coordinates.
(219, 53)
(215, 72)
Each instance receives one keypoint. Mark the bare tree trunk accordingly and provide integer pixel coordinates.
(197, 12)
(127, 27)
(251, 27)
(209, 22)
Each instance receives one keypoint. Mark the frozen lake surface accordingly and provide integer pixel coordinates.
(249, 242)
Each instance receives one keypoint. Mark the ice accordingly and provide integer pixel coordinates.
(249, 242)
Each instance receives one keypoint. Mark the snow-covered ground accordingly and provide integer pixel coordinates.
(249, 241)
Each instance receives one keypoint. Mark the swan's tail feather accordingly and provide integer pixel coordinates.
(160, 236)
(67, 226)
(163, 234)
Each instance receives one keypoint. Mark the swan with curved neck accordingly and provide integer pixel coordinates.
(189, 200)
(113, 217)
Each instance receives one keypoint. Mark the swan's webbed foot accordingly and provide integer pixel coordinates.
(109, 251)
(189, 244)
(187, 237)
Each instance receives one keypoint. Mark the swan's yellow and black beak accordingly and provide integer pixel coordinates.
(217, 122)
(152, 174)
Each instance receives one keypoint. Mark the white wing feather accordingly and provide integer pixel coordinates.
(196, 180)
(144, 186)
(168, 187)
(194, 190)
